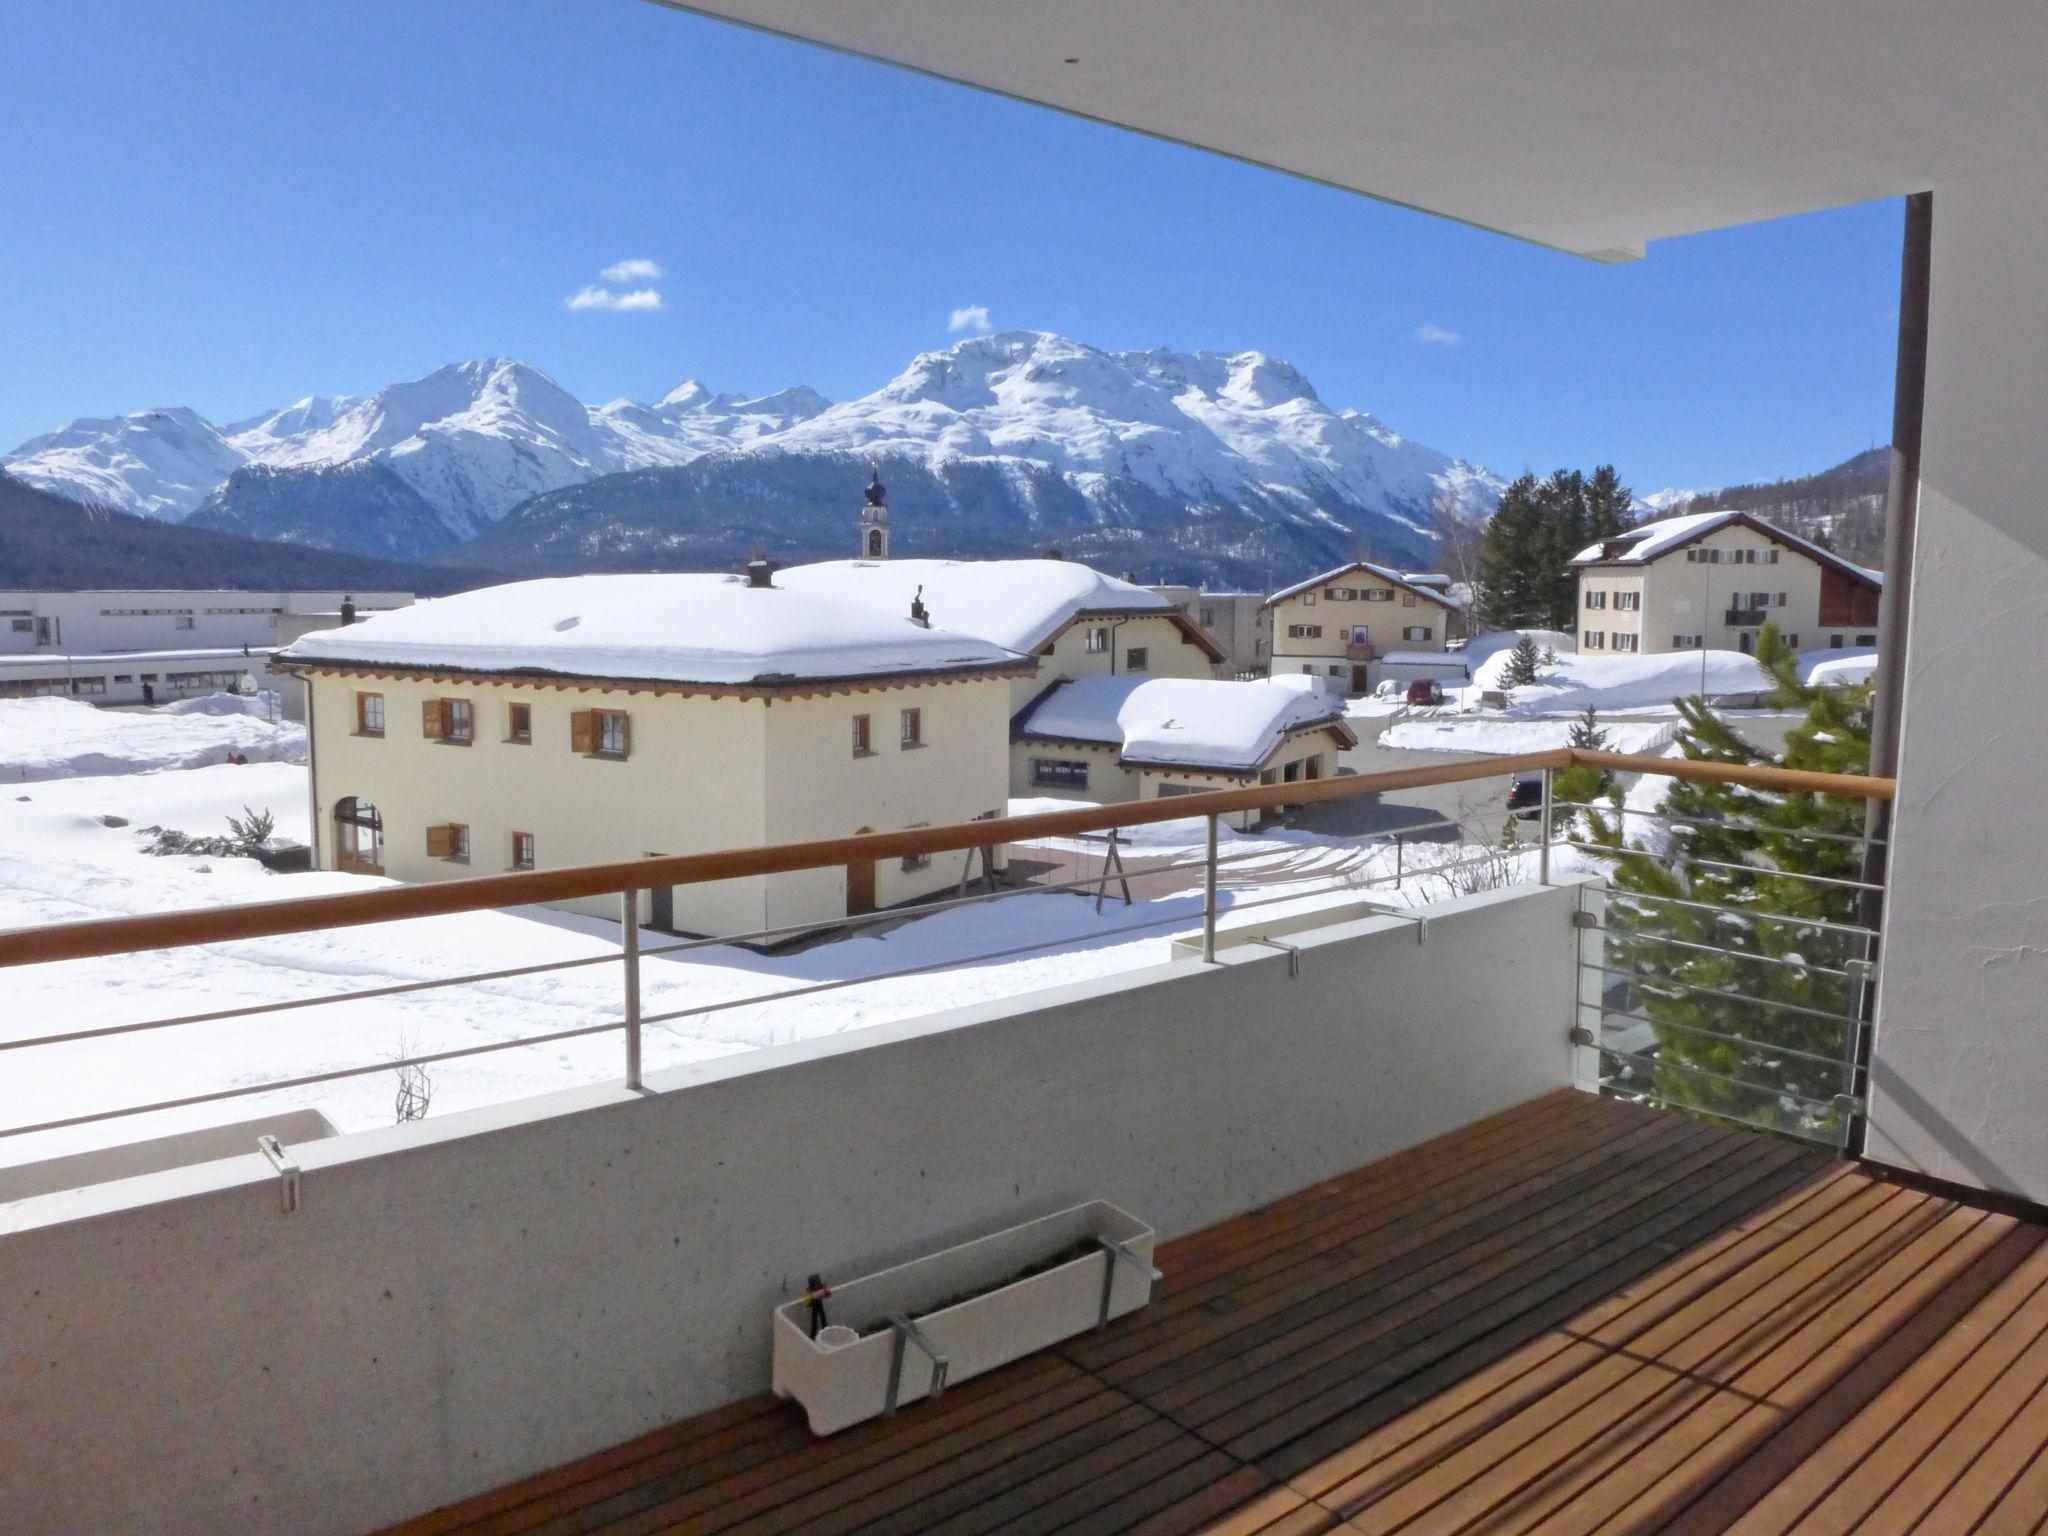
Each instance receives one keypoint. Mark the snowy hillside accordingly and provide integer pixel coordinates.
(1022, 429)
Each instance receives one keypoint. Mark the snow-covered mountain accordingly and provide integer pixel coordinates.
(1045, 432)
(473, 440)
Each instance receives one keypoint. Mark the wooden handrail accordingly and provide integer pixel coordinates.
(307, 914)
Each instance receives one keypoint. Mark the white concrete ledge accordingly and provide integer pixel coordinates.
(466, 1300)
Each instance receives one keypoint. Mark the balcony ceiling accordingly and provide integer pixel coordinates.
(1592, 126)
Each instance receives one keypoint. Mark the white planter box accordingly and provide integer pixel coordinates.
(845, 1383)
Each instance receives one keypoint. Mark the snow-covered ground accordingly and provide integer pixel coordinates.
(1493, 734)
(58, 738)
(1575, 681)
(60, 861)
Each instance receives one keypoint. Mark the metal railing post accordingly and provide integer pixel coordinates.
(629, 945)
(1543, 846)
(1209, 897)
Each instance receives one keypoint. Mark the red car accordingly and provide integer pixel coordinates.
(1425, 690)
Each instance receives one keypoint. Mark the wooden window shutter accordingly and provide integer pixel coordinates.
(625, 734)
(430, 720)
(440, 842)
(583, 731)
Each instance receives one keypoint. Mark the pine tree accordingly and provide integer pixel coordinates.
(1523, 665)
(1610, 505)
(1746, 992)
(1580, 784)
(1510, 564)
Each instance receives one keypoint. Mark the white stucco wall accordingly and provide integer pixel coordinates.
(466, 1300)
(1960, 1076)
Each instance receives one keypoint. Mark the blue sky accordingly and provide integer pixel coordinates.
(233, 203)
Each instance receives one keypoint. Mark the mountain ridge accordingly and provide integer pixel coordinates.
(1015, 431)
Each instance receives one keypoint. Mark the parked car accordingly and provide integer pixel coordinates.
(1425, 690)
(1525, 797)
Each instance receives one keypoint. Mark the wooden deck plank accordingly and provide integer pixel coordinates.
(1453, 1418)
(1603, 1414)
(1551, 1409)
(1607, 1246)
(1576, 1315)
(1267, 1325)
(1919, 1436)
(1667, 1465)
(1496, 1331)
(1429, 1194)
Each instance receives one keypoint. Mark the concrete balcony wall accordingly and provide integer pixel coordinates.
(464, 1301)
(1959, 1077)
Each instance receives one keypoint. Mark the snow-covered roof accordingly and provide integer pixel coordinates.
(1386, 574)
(1427, 659)
(1182, 722)
(1648, 541)
(1834, 668)
(1016, 603)
(707, 629)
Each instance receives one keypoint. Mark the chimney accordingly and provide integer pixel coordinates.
(758, 572)
(919, 614)
(348, 610)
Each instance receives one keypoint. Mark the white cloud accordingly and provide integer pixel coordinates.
(593, 297)
(1437, 335)
(637, 270)
(968, 317)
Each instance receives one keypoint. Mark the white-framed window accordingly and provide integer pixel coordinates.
(863, 736)
(1308, 599)
(1626, 642)
(1596, 600)
(1628, 602)
(1688, 642)
(1098, 639)
(519, 723)
(369, 714)
(1342, 594)
(910, 728)
(1379, 594)
(1304, 631)
(1415, 632)
(613, 734)
(1593, 640)
(522, 850)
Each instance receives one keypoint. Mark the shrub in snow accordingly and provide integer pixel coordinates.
(1523, 665)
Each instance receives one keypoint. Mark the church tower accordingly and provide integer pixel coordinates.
(874, 519)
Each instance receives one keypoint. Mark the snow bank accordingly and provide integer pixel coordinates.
(1833, 669)
(59, 738)
(261, 705)
(686, 628)
(1020, 604)
(1495, 641)
(1577, 682)
(1464, 734)
(1181, 721)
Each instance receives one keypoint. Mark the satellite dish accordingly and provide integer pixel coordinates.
(247, 686)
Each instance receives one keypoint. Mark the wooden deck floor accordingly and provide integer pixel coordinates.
(1578, 1316)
